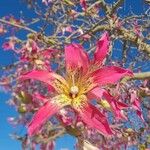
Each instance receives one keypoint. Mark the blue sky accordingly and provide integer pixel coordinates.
(14, 7)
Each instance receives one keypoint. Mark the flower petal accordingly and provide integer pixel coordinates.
(95, 119)
(40, 97)
(76, 57)
(121, 105)
(96, 93)
(44, 76)
(116, 106)
(102, 48)
(45, 112)
(109, 75)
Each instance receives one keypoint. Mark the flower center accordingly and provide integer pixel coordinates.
(74, 90)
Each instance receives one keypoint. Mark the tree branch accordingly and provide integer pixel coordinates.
(17, 25)
(126, 35)
(137, 76)
(116, 5)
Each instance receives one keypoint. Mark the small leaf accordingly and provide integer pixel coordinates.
(22, 109)
(142, 147)
(24, 97)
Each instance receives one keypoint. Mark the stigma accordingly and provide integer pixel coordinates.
(74, 90)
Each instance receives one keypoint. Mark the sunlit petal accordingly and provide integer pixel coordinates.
(110, 75)
(76, 57)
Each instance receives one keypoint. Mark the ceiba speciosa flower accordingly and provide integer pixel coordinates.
(83, 77)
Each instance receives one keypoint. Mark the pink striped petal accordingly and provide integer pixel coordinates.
(76, 57)
(42, 115)
(109, 75)
(102, 48)
(43, 76)
(95, 119)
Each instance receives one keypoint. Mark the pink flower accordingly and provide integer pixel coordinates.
(82, 76)
(10, 45)
(33, 54)
(67, 29)
(83, 4)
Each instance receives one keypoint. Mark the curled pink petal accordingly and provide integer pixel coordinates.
(116, 106)
(102, 48)
(110, 75)
(95, 119)
(76, 57)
